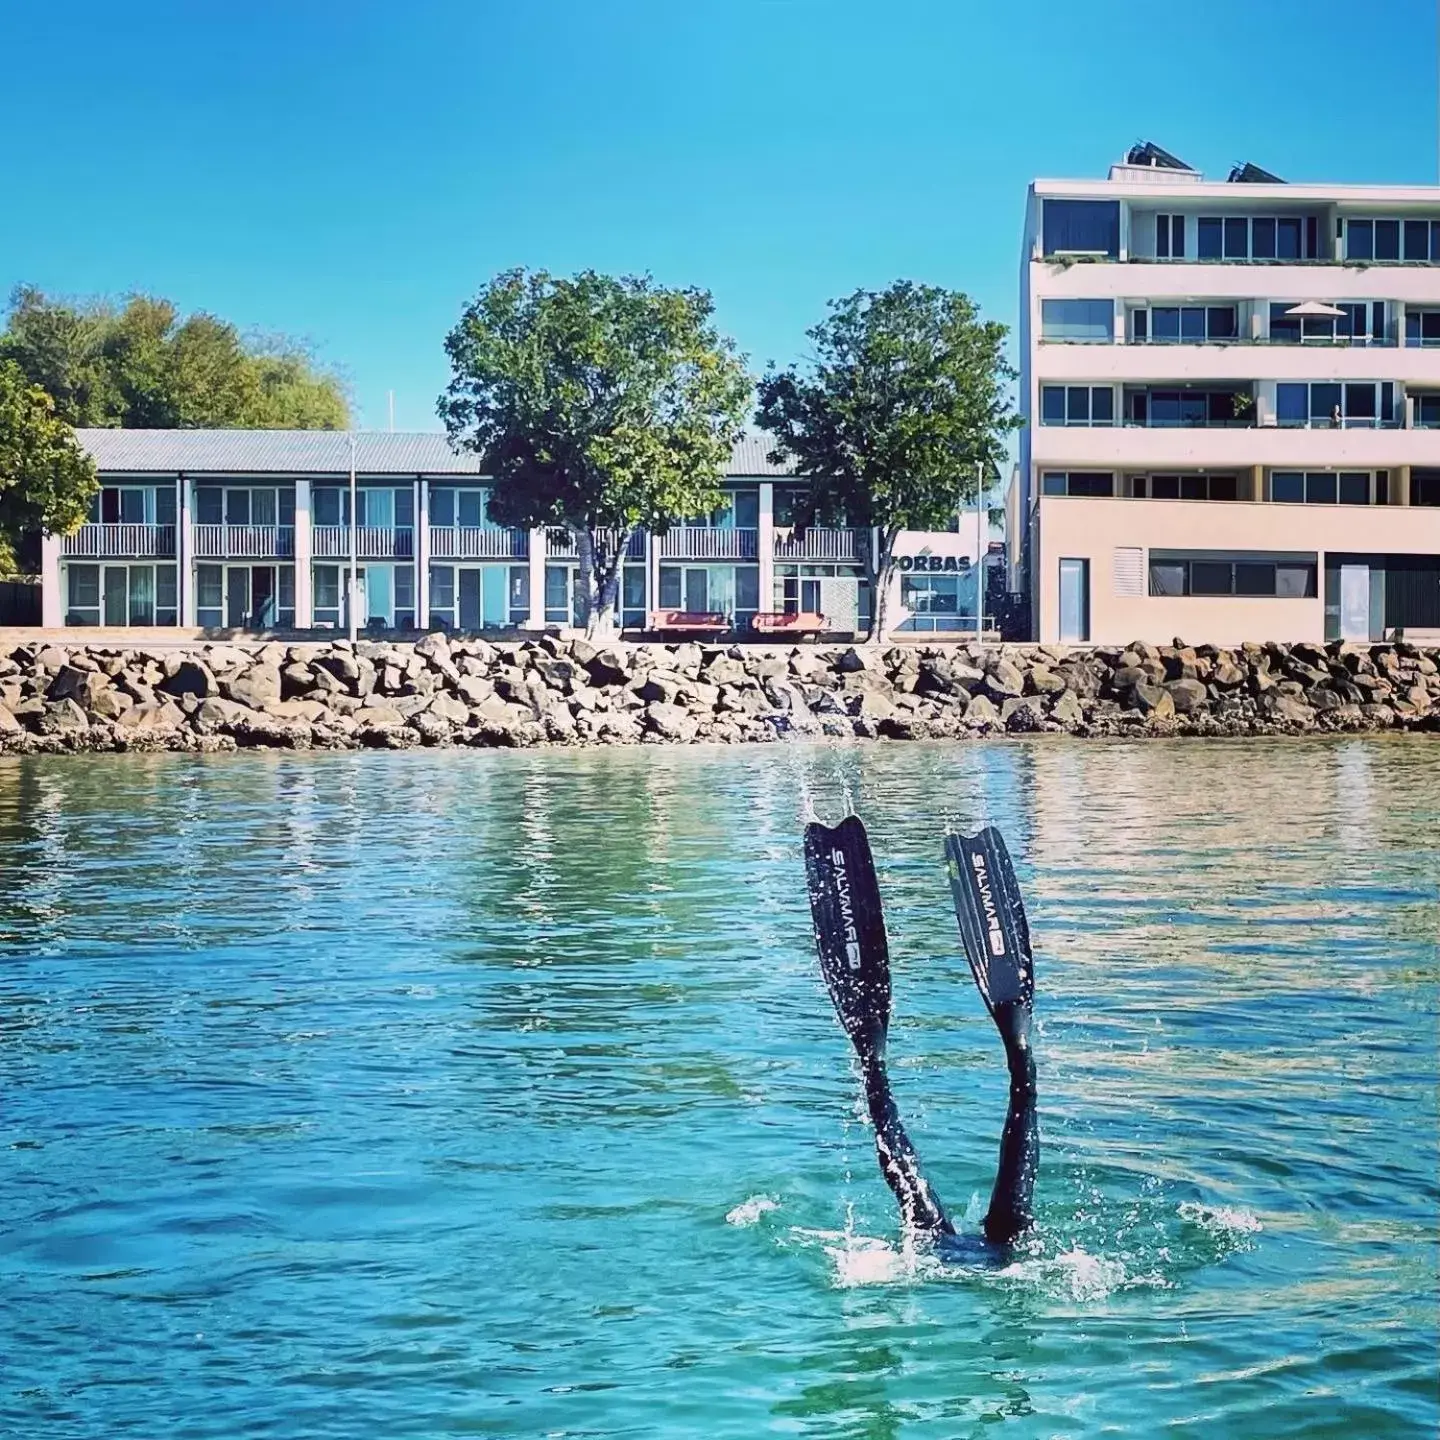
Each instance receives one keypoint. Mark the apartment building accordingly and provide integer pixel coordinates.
(251, 530)
(1232, 395)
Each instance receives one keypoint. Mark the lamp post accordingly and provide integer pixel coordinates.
(353, 584)
(979, 551)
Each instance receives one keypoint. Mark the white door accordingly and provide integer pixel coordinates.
(1074, 602)
(1354, 602)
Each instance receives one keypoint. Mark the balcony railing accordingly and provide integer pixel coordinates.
(244, 542)
(332, 542)
(560, 544)
(846, 547)
(705, 542)
(478, 542)
(100, 541)
(1310, 342)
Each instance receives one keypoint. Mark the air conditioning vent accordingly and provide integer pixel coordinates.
(1128, 569)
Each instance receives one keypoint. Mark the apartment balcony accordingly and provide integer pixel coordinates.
(1233, 360)
(1146, 448)
(1329, 280)
(842, 547)
(120, 542)
(560, 544)
(332, 542)
(244, 542)
(478, 542)
(707, 542)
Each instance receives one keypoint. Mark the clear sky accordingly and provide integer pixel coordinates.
(351, 172)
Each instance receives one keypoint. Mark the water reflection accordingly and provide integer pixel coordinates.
(428, 1081)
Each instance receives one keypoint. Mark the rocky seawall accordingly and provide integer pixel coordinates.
(552, 691)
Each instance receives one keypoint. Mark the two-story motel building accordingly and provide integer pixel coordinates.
(1233, 401)
(251, 529)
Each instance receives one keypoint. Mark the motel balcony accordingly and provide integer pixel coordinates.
(478, 542)
(842, 547)
(710, 542)
(332, 542)
(560, 544)
(1133, 447)
(120, 541)
(244, 542)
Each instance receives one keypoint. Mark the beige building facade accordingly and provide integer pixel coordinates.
(1232, 396)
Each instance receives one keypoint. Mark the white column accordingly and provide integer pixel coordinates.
(185, 549)
(52, 603)
(304, 575)
(537, 579)
(652, 575)
(766, 545)
(422, 554)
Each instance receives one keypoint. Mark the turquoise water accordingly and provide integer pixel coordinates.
(496, 1094)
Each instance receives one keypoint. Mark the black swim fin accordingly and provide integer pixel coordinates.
(849, 924)
(992, 918)
(996, 936)
(855, 960)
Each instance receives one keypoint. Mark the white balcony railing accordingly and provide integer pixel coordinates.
(845, 547)
(478, 542)
(704, 542)
(100, 541)
(560, 544)
(332, 542)
(244, 542)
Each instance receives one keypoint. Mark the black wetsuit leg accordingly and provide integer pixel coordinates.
(1012, 1201)
(920, 1206)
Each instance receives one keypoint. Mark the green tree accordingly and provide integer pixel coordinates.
(905, 403)
(599, 405)
(46, 479)
(140, 364)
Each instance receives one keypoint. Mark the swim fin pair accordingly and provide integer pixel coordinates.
(854, 958)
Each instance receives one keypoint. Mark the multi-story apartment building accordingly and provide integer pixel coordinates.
(1232, 394)
(251, 529)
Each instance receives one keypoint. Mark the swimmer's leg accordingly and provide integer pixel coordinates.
(997, 944)
(855, 960)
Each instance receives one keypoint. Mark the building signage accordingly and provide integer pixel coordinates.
(933, 563)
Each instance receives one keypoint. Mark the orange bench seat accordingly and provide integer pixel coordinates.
(782, 622)
(688, 622)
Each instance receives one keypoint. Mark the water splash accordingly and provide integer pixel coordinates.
(750, 1211)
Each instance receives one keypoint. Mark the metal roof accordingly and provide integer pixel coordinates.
(319, 452)
(275, 452)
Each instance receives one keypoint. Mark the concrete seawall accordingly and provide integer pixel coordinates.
(67, 697)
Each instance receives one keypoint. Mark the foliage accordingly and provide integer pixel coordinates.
(904, 405)
(140, 364)
(46, 479)
(599, 405)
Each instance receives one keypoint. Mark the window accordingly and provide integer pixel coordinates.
(931, 594)
(1284, 237)
(1425, 487)
(1077, 405)
(442, 594)
(442, 508)
(1427, 412)
(1359, 323)
(1077, 483)
(237, 507)
(1082, 227)
(1187, 487)
(83, 600)
(209, 505)
(326, 504)
(1361, 405)
(557, 594)
(1170, 237)
(1326, 487)
(285, 596)
(1392, 240)
(1184, 324)
(327, 594)
(520, 595)
(1422, 327)
(1215, 573)
(404, 597)
(470, 509)
(1169, 409)
(164, 504)
(209, 595)
(1089, 320)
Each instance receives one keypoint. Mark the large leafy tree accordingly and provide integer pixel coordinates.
(46, 478)
(140, 364)
(902, 409)
(599, 405)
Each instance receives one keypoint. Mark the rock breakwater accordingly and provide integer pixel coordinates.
(438, 690)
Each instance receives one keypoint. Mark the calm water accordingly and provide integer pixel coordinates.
(416, 1094)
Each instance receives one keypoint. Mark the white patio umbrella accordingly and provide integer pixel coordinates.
(1315, 307)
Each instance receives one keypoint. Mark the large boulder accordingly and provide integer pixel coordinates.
(61, 717)
(188, 676)
(1004, 680)
(1188, 695)
(670, 722)
(256, 688)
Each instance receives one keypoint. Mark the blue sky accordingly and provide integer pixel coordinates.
(352, 172)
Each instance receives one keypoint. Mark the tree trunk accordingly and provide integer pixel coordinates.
(880, 577)
(601, 556)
